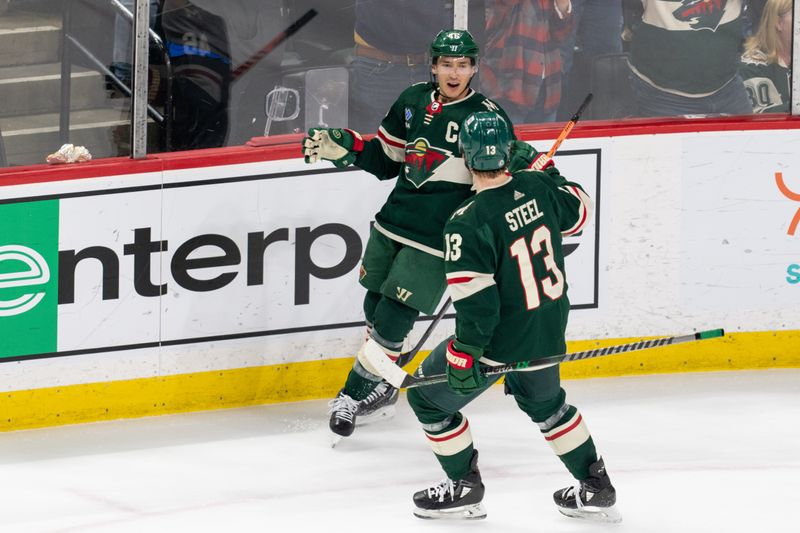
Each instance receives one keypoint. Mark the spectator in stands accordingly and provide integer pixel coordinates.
(766, 62)
(199, 49)
(225, 54)
(597, 31)
(684, 59)
(521, 67)
(392, 38)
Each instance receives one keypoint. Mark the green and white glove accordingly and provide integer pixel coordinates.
(463, 370)
(524, 156)
(340, 146)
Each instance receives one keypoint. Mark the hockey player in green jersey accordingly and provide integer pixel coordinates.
(402, 267)
(505, 272)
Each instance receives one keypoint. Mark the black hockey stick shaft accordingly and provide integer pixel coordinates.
(406, 357)
(276, 41)
(420, 381)
(569, 125)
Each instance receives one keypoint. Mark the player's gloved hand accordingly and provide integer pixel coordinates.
(340, 146)
(463, 370)
(541, 162)
(524, 156)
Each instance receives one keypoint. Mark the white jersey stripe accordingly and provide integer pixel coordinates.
(464, 284)
(409, 242)
(393, 147)
(584, 212)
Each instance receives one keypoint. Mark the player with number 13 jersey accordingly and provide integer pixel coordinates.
(504, 259)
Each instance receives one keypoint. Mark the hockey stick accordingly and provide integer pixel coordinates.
(540, 163)
(405, 357)
(400, 378)
(276, 41)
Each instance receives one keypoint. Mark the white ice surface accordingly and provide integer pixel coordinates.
(711, 452)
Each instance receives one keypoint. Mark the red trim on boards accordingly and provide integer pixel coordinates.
(288, 147)
(654, 126)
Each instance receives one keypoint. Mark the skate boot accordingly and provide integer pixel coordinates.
(343, 411)
(450, 499)
(379, 404)
(593, 498)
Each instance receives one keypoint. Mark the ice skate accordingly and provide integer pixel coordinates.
(592, 499)
(343, 411)
(459, 500)
(379, 404)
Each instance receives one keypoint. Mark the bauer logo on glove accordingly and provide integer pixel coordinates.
(463, 371)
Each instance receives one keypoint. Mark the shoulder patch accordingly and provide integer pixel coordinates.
(461, 210)
(491, 106)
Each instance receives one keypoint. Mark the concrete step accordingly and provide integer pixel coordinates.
(30, 81)
(29, 39)
(104, 132)
(36, 89)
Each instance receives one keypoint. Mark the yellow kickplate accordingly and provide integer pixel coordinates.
(314, 380)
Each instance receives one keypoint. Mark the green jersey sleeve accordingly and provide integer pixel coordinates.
(470, 264)
(384, 154)
(573, 206)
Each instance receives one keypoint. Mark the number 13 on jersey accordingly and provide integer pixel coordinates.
(452, 243)
(524, 251)
(553, 283)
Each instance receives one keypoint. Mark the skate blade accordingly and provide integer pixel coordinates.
(335, 439)
(384, 413)
(607, 515)
(475, 511)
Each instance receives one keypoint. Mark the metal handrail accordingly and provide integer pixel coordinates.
(70, 42)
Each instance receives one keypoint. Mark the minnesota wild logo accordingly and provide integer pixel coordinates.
(701, 14)
(422, 160)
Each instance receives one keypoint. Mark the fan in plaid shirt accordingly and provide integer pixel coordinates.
(521, 65)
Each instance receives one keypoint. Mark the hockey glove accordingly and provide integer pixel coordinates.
(340, 146)
(541, 162)
(524, 156)
(463, 370)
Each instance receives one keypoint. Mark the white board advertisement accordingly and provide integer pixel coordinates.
(256, 264)
(217, 267)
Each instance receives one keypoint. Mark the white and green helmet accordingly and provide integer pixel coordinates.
(485, 141)
(454, 43)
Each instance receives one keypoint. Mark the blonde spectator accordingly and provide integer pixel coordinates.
(766, 62)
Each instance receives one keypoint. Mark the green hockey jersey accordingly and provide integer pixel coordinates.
(505, 265)
(417, 142)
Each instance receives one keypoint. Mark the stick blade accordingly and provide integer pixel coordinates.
(387, 369)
